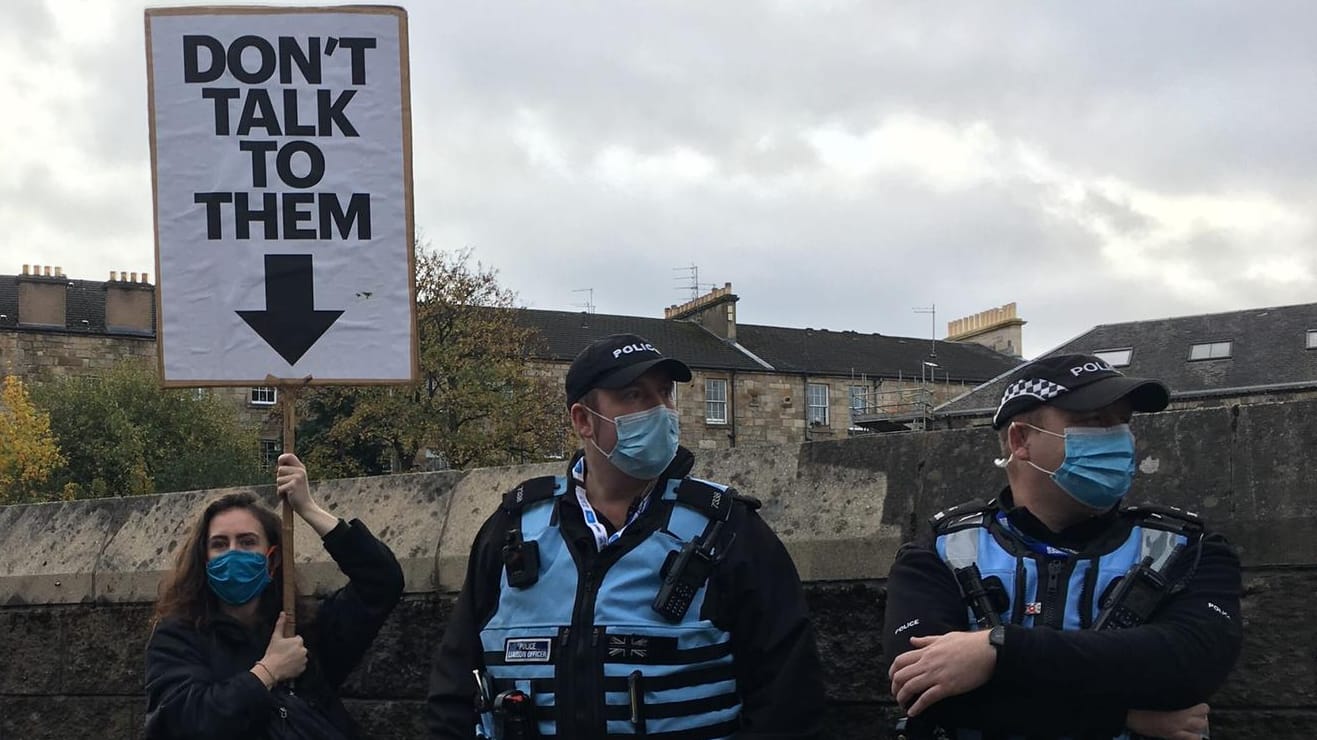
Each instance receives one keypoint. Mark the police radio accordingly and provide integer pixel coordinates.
(684, 572)
(1136, 596)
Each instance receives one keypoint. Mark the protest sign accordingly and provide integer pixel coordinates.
(280, 149)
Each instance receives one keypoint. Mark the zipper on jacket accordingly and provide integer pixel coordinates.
(1054, 597)
(564, 680)
(585, 691)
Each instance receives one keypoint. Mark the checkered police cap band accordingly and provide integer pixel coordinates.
(1041, 389)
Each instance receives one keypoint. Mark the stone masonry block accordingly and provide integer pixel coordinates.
(398, 663)
(104, 648)
(30, 654)
(848, 622)
(389, 720)
(65, 717)
(1276, 667)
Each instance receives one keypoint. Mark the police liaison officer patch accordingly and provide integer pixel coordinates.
(527, 649)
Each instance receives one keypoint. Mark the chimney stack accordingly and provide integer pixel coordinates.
(129, 304)
(41, 303)
(715, 311)
(997, 328)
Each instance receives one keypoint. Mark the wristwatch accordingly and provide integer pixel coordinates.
(997, 636)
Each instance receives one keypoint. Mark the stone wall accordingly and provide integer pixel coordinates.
(43, 355)
(76, 578)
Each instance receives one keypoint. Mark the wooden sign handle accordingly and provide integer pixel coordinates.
(287, 402)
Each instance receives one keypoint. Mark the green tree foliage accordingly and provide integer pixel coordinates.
(478, 402)
(28, 453)
(124, 435)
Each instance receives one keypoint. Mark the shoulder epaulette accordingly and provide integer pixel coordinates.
(711, 500)
(1168, 517)
(529, 491)
(751, 502)
(960, 516)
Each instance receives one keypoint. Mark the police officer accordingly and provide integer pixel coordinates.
(627, 598)
(1052, 611)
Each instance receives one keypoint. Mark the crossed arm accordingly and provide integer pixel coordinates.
(1047, 681)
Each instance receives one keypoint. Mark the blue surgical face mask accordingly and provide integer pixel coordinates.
(238, 576)
(646, 441)
(1098, 469)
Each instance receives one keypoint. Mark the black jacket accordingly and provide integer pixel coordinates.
(755, 594)
(199, 684)
(1052, 683)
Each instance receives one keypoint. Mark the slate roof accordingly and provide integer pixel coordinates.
(565, 334)
(84, 305)
(1268, 351)
(812, 351)
(823, 352)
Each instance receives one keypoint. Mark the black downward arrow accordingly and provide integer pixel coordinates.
(290, 323)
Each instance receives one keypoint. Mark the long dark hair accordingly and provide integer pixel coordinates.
(184, 592)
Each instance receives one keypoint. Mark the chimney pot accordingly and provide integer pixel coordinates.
(47, 268)
(114, 275)
(146, 279)
(25, 269)
(134, 277)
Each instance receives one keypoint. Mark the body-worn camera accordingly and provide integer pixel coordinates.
(521, 559)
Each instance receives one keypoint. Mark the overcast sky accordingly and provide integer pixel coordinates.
(840, 163)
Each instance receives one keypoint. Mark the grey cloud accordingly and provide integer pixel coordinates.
(1152, 92)
(1118, 214)
(29, 25)
(40, 192)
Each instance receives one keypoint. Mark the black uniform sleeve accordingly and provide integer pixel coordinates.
(1056, 682)
(450, 705)
(347, 622)
(183, 699)
(777, 661)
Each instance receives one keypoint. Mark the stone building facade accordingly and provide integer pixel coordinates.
(764, 385)
(52, 326)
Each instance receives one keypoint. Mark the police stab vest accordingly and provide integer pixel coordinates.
(1046, 586)
(1049, 587)
(590, 650)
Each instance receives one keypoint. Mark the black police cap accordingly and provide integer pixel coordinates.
(615, 362)
(1076, 383)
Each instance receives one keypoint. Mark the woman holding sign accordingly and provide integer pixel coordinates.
(218, 664)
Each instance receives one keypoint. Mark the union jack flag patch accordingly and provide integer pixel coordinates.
(628, 646)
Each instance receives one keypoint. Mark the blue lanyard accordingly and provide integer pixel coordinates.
(1036, 546)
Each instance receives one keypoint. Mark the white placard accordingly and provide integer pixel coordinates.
(282, 175)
